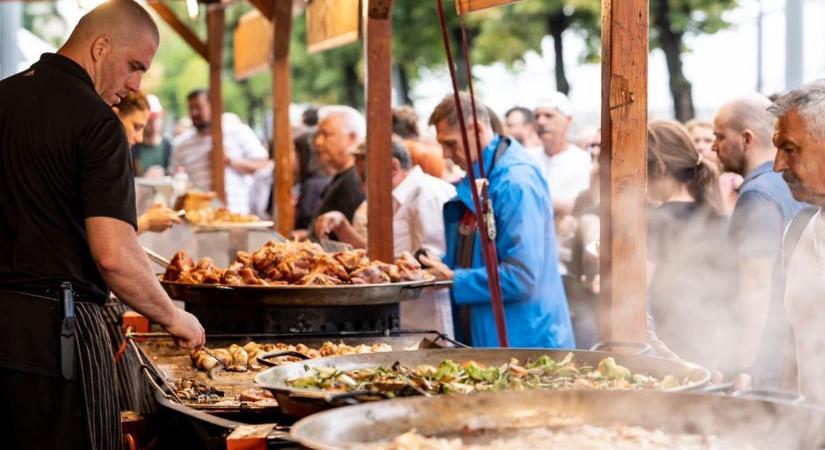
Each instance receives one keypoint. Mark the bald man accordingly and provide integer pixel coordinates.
(67, 235)
(743, 132)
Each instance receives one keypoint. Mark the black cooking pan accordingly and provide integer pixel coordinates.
(290, 295)
(763, 424)
(302, 402)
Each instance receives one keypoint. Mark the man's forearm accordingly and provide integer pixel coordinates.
(248, 166)
(134, 283)
(126, 270)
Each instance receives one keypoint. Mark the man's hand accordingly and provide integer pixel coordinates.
(158, 218)
(186, 329)
(299, 235)
(328, 223)
(437, 269)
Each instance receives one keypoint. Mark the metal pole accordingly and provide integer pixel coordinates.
(11, 20)
(760, 48)
(794, 61)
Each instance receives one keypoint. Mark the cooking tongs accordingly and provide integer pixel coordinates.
(156, 257)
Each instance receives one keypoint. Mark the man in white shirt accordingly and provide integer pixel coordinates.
(800, 141)
(565, 166)
(418, 202)
(244, 154)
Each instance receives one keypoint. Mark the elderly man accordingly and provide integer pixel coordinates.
(565, 166)
(243, 152)
(743, 128)
(67, 234)
(534, 300)
(340, 130)
(800, 140)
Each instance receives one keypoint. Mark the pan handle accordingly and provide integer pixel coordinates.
(641, 348)
(721, 388)
(264, 359)
(429, 284)
(775, 395)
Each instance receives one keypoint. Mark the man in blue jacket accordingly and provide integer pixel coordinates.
(534, 300)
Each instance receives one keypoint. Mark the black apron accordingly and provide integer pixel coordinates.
(69, 359)
(132, 391)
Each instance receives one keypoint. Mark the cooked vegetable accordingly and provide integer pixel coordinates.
(471, 376)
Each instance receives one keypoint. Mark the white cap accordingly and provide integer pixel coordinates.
(558, 101)
(155, 108)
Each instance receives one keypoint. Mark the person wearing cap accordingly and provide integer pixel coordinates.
(565, 166)
(417, 223)
(151, 155)
(535, 304)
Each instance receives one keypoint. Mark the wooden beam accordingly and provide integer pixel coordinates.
(266, 7)
(378, 59)
(214, 42)
(282, 131)
(623, 165)
(180, 28)
(465, 6)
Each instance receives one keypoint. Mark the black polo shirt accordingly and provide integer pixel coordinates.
(344, 193)
(63, 157)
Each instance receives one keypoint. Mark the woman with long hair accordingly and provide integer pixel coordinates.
(689, 279)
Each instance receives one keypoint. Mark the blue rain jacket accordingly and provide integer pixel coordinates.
(535, 304)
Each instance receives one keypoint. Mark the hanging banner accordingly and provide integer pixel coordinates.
(253, 45)
(332, 23)
(465, 6)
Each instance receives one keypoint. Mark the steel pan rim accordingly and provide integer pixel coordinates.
(306, 439)
(292, 287)
(699, 376)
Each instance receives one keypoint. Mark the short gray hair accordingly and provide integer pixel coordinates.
(808, 101)
(351, 120)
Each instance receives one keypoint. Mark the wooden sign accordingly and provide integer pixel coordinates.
(253, 45)
(332, 23)
(465, 6)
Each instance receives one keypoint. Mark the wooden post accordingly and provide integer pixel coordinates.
(180, 28)
(623, 315)
(378, 58)
(281, 129)
(214, 44)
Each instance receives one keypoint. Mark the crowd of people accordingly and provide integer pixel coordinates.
(736, 236)
(717, 216)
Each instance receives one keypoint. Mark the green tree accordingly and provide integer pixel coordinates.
(508, 33)
(670, 22)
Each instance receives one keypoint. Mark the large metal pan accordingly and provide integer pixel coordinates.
(342, 295)
(763, 424)
(302, 402)
(170, 363)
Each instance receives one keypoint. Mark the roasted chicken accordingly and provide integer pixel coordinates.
(244, 358)
(297, 263)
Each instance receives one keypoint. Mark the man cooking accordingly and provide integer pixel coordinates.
(67, 234)
(535, 304)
